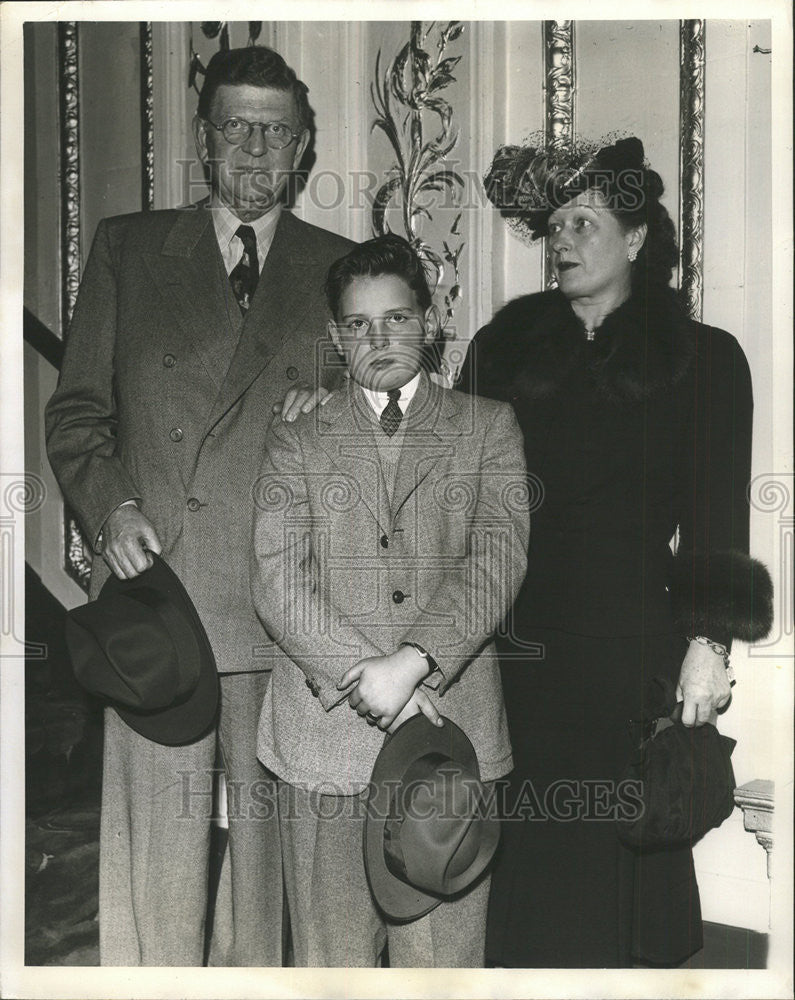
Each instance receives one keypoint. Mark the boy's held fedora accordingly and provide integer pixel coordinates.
(426, 835)
(141, 646)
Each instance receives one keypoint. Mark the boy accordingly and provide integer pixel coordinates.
(390, 540)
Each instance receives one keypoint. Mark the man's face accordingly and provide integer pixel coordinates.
(381, 331)
(249, 178)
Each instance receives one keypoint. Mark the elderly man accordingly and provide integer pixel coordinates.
(191, 326)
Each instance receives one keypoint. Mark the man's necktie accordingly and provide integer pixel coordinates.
(245, 273)
(391, 415)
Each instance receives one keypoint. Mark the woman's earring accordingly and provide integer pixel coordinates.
(632, 253)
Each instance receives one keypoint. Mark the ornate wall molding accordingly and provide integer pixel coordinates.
(75, 562)
(691, 162)
(559, 81)
(756, 799)
(147, 118)
(70, 168)
(559, 93)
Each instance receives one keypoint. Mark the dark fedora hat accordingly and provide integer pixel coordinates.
(426, 835)
(142, 647)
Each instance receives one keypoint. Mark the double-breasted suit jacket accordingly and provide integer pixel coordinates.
(345, 568)
(165, 395)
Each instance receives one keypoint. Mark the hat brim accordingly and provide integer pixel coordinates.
(415, 738)
(190, 719)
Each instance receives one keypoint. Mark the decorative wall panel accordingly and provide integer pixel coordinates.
(147, 118)
(559, 86)
(691, 164)
(75, 562)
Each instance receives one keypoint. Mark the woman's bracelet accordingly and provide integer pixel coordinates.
(720, 649)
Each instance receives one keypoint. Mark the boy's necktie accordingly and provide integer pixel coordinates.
(245, 274)
(391, 415)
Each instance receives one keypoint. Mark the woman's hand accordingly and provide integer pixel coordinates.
(703, 685)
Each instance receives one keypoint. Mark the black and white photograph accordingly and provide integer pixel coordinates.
(396, 445)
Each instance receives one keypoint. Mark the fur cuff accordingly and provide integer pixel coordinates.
(722, 595)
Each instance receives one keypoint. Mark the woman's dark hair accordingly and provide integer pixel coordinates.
(258, 66)
(389, 254)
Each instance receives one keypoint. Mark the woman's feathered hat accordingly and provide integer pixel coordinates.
(528, 182)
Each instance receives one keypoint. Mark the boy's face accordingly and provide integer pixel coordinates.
(381, 331)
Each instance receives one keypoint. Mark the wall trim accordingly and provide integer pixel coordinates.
(147, 118)
(692, 61)
(559, 90)
(74, 561)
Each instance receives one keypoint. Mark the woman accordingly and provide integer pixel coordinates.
(637, 425)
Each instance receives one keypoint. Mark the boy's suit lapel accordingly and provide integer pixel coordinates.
(346, 435)
(432, 429)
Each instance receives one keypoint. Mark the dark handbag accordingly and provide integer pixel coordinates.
(682, 784)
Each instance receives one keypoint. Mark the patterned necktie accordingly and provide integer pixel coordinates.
(391, 415)
(245, 274)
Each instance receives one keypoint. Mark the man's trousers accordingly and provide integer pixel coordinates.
(155, 843)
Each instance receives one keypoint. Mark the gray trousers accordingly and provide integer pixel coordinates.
(155, 841)
(333, 918)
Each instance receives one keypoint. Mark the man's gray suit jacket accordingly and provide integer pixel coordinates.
(165, 395)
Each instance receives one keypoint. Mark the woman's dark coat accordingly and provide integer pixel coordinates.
(637, 437)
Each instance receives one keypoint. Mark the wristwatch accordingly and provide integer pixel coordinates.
(424, 653)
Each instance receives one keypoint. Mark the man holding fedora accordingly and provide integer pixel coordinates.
(190, 327)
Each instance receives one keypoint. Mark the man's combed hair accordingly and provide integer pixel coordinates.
(257, 66)
(389, 254)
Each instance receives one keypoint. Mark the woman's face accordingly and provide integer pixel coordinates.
(589, 249)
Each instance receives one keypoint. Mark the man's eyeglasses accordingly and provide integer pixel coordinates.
(395, 323)
(236, 131)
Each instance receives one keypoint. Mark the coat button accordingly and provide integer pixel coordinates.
(169, 360)
(175, 434)
(384, 542)
(292, 373)
(193, 504)
(398, 596)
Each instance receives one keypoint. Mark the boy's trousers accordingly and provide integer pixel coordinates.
(334, 920)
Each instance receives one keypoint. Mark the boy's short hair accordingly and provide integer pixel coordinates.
(389, 254)
(257, 66)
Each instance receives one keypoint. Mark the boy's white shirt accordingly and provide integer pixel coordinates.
(378, 400)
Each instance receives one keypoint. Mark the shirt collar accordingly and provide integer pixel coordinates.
(378, 400)
(226, 224)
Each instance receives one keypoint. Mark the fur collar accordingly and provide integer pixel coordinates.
(644, 348)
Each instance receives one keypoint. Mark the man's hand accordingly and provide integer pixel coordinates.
(385, 684)
(127, 535)
(703, 685)
(418, 702)
(301, 399)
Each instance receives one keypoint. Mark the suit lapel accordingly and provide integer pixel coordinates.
(345, 433)
(189, 273)
(432, 429)
(275, 312)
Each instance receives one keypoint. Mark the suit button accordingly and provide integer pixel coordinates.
(398, 596)
(175, 434)
(292, 373)
(384, 542)
(169, 360)
(193, 504)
